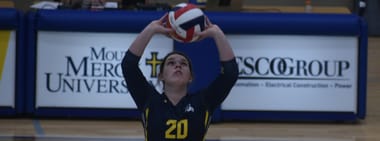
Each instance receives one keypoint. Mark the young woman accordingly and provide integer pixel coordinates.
(176, 114)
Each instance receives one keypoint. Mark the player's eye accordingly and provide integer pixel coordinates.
(170, 63)
(184, 63)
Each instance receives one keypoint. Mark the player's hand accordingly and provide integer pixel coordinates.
(211, 30)
(158, 26)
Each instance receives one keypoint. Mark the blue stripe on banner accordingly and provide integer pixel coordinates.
(95, 21)
(9, 18)
(286, 23)
(230, 22)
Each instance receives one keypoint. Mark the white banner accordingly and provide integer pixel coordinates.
(80, 69)
(7, 68)
(294, 73)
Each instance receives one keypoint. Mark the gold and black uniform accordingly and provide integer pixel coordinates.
(190, 118)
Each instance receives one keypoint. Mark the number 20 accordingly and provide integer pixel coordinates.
(180, 126)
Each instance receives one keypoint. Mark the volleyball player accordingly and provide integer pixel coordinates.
(176, 114)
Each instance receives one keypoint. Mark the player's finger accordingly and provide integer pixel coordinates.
(208, 22)
(201, 35)
(163, 18)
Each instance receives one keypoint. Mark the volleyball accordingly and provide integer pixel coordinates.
(186, 19)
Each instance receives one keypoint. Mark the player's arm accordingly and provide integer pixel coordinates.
(224, 48)
(221, 86)
(219, 89)
(155, 27)
(137, 84)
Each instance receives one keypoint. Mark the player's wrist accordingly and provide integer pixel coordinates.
(151, 29)
(217, 33)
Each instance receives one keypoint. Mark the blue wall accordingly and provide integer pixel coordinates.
(203, 54)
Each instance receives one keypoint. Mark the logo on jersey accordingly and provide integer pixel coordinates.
(189, 108)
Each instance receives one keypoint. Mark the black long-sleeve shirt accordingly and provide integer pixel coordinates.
(190, 118)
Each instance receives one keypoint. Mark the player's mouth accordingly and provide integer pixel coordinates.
(178, 72)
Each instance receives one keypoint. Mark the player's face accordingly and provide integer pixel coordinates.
(176, 70)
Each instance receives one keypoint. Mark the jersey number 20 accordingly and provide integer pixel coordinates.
(177, 129)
